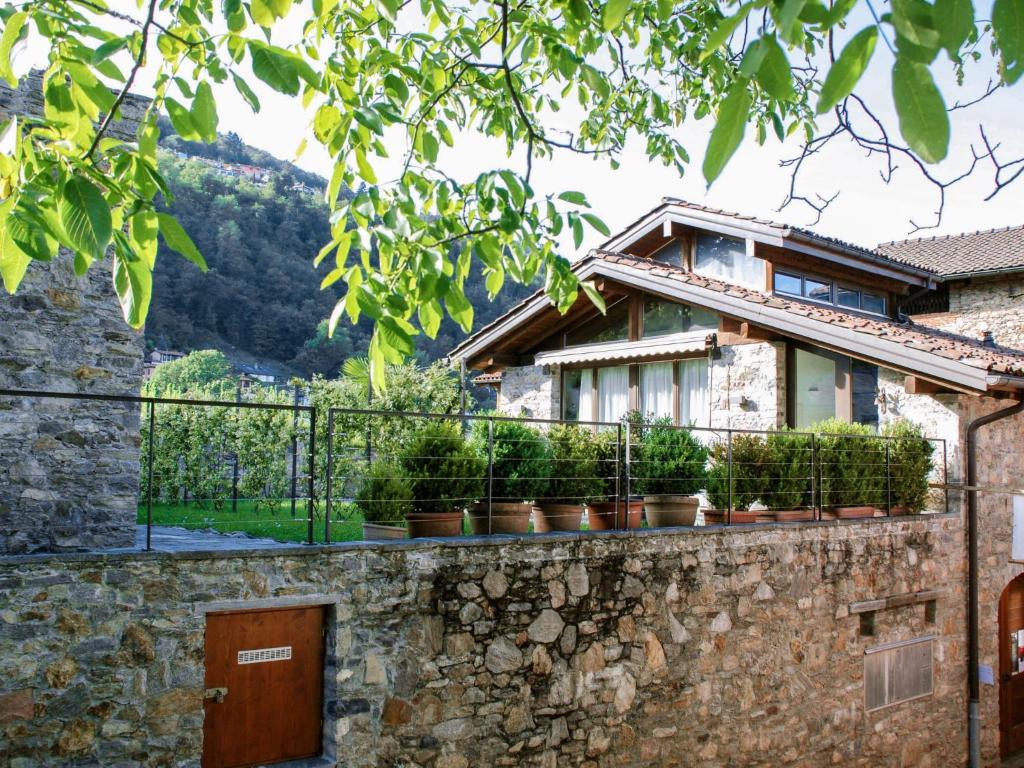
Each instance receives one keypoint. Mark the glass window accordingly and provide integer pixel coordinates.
(871, 302)
(656, 390)
(726, 258)
(790, 284)
(817, 290)
(662, 317)
(612, 393)
(864, 380)
(814, 395)
(847, 297)
(694, 399)
(571, 380)
(611, 326)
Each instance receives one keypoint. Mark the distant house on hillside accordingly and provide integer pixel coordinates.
(157, 357)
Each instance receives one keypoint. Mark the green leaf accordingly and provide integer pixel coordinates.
(787, 19)
(133, 283)
(576, 198)
(1008, 28)
(845, 73)
(923, 119)
(365, 169)
(204, 113)
(85, 217)
(613, 14)
(459, 308)
(721, 33)
(915, 20)
(13, 28)
(753, 57)
(177, 239)
(774, 74)
(247, 93)
(954, 20)
(13, 261)
(597, 224)
(181, 119)
(273, 68)
(594, 295)
(728, 131)
(369, 118)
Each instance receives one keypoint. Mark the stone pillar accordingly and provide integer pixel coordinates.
(69, 469)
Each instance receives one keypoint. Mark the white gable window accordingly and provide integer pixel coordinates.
(728, 259)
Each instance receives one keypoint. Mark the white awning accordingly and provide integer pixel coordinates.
(659, 346)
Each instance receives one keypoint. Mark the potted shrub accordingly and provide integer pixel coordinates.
(671, 468)
(787, 485)
(910, 466)
(749, 472)
(445, 475)
(520, 467)
(610, 510)
(574, 479)
(851, 466)
(385, 499)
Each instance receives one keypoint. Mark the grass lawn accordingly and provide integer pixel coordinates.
(269, 520)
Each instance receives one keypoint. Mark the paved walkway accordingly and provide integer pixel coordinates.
(171, 539)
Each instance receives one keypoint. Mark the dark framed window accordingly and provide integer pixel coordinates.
(663, 317)
(827, 292)
(726, 258)
(611, 326)
(822, 384)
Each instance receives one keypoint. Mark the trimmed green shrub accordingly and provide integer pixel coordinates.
(445, 474)
(852, 464)
(577, 468)
(521, 460)
(910, 464)
(788, 469)
(750, 471)
(611, 460)
(671, 461)
(384, 496)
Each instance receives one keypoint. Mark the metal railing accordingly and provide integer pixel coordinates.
(283, 470)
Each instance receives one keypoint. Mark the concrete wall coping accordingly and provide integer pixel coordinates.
(426, 544)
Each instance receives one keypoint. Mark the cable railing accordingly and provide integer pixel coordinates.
(268, 467)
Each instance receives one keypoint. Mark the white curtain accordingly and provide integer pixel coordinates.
(694, 399)
(656, 390)
(586, 409)
(612, 393)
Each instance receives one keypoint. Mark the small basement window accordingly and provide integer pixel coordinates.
(898, 672)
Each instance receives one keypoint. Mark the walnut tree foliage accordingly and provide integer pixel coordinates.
(403, 80)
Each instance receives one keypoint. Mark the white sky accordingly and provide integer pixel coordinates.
(866, 212)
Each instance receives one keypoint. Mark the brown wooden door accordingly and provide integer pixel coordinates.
(1011, 667)
(271, 665)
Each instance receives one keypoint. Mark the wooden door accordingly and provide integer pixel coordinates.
(1011, 667)
(264, 686)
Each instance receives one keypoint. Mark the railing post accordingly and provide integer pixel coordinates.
(312, 472)
(490, 472)
(628, 463)
(149, 490)
(295, 444)
(618, 470)
(888, 481)
(728, 511)
(945, 474)
(329, 482)
(815, 509)
(234, 463)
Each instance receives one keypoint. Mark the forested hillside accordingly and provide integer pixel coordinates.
(261, 299)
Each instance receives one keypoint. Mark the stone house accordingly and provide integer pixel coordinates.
(724, 321)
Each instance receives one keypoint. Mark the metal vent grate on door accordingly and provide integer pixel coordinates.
(261, 655)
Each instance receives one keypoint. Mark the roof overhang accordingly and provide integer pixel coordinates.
(951, 373)
(676, 344)
(664, 216)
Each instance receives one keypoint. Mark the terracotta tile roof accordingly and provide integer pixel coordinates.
(993, 250)
(972, 352)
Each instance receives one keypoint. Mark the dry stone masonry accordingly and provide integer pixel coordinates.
(717, 647)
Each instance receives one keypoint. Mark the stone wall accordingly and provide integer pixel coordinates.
(723, 647)
(747, 386)
(984, 304)
(531, 390)
(69, 469)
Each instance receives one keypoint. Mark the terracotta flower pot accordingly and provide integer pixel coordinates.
(434, 524)
(714, 516)
(844, 513)
(504, 518)
(793, 515)
(898, 510)
(557, 517)
(608, 515)
(374, 532)
(671, 511)
(740, 516)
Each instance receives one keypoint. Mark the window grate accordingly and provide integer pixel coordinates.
(897, 672)
(262, 655)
